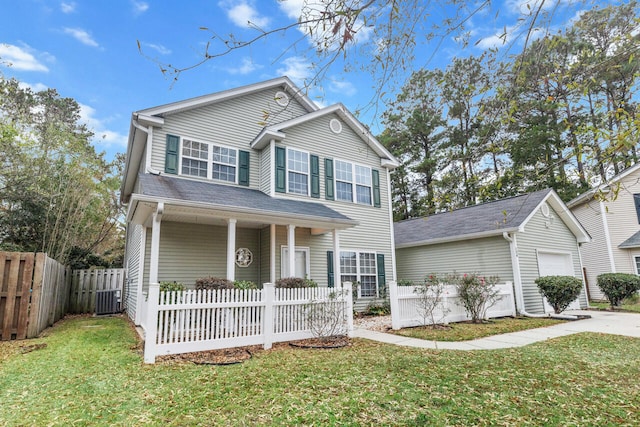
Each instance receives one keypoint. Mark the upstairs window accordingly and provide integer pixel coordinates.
(636, 202)
(344, 181)
(298, 172)
(345, 173)
(208, 161)
(363, 185)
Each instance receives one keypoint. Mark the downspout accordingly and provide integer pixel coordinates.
(517, 280)
(149, 132)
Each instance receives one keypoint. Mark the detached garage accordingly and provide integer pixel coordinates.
(518, 239)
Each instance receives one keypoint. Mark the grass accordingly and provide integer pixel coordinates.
(465, 331)
(627, 305)
(90, 373)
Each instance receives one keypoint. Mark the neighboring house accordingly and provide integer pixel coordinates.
(611, 215)
(256, 183)
(518, 239)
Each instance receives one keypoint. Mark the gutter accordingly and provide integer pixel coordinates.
(517, 281)
(149, 132)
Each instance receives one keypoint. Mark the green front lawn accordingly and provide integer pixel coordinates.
(627, 305)
(464, 331)
(90, 373)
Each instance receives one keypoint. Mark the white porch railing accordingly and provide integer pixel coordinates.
(405, 310)
(182, 322)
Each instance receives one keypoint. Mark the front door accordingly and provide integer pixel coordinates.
(556, 264)
(301, 263)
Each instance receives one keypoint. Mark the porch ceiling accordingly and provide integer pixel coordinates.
(209, 203)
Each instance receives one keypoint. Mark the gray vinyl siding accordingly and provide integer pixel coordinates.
(595, 256)
(543, 235)
(488, 256)
(134, 238)
(265, 258)
(233, 123)
(265, 170)
(192, 251)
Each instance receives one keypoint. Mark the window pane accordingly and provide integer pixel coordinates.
(298, 183)
(343, 171)
(363, 195)
(363, 175)
(194, 149)
(224, 173)
(194, 167)
(348, 264)
(224, 155)
(298, 161)
(368, 286)
(367, 263)
(344, 191)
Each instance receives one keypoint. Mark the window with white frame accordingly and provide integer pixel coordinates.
(356, 266)
(298, 171)
(197, 156)
(637, 264)
(345, 173)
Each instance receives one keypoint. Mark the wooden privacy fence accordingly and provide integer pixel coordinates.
(85, 284)
(187, 321)
(405, 308)
(34, 294)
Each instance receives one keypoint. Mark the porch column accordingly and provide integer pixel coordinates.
(272, 258)
(337, 282)
(231, 249)
(154, 256)
(291, 243)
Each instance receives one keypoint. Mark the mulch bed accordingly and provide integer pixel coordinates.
(227, 356)
(326, 342)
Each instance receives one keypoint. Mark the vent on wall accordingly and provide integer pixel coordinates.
(107, 302)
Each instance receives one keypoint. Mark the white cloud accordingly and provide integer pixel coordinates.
(35, 87)
(68, 7)
(158, 48)
(82, 36)
(244, 14)
(342, 87)
(296, 68)
(502, 38)
(140, 7)
(247, 66)
(103, 137)
(20, 58)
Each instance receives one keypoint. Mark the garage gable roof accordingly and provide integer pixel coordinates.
(484, 220)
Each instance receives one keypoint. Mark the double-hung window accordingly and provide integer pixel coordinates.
(345, 173)
(208, 161)
(356, 266)
(298, 171)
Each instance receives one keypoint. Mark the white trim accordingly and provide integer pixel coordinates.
(148, 149)
(272, 169)
(141, 264)
(607, 236)
(231, 249)
(209, 160)
(337, 281)
(391, 227)
(305, 249)
(635, 263)
(359, 272)
(155, 243)
(272, 251)
(354, 184)
(281, 98)
(308, 174)
(515, 267)
(291, 243)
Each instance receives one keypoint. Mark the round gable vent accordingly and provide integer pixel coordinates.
(545, 210)
(335, 125)
(282, 99)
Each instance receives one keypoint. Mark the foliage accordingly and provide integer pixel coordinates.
(477, 293)
(327, 317)
(171, 287)
(295, 282)
(560, 291)
(378, 308)
(56, 193)
(628, 304)
(244, 284)
(213, 283)
(618, 286)
(96, 364)
(430, 300)
(405, 282)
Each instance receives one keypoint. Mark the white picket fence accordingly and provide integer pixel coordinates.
(188, 321)
(405, 310)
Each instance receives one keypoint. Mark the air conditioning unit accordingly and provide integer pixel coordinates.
(107, 302)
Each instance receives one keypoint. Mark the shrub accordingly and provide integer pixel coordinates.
(559, 291)
(213, 283)
(618, 286)
(477, 293)
(295, 282)
(171, 286)
(244, 284)
(379, 309)
(405, 282)
(327, 317)
(430, 300)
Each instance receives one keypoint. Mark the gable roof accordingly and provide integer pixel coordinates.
(230, 198)
(588, 195)
(275, 131)
(631, 242)
(484, 220)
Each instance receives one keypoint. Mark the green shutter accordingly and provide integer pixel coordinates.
(171, 157)
(243, 167)
(375, 177)
(382, 278)
(330, 279)
(315, 176)
(328, 179)
(281, 170)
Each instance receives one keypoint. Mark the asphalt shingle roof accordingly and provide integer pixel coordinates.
(498, 216)
(229, 196)
(631, 242)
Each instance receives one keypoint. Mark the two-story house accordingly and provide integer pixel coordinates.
(611, 215)
(256, 183)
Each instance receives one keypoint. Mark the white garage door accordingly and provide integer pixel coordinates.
(556, 264)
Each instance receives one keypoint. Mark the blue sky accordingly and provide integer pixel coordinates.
(87, 50)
